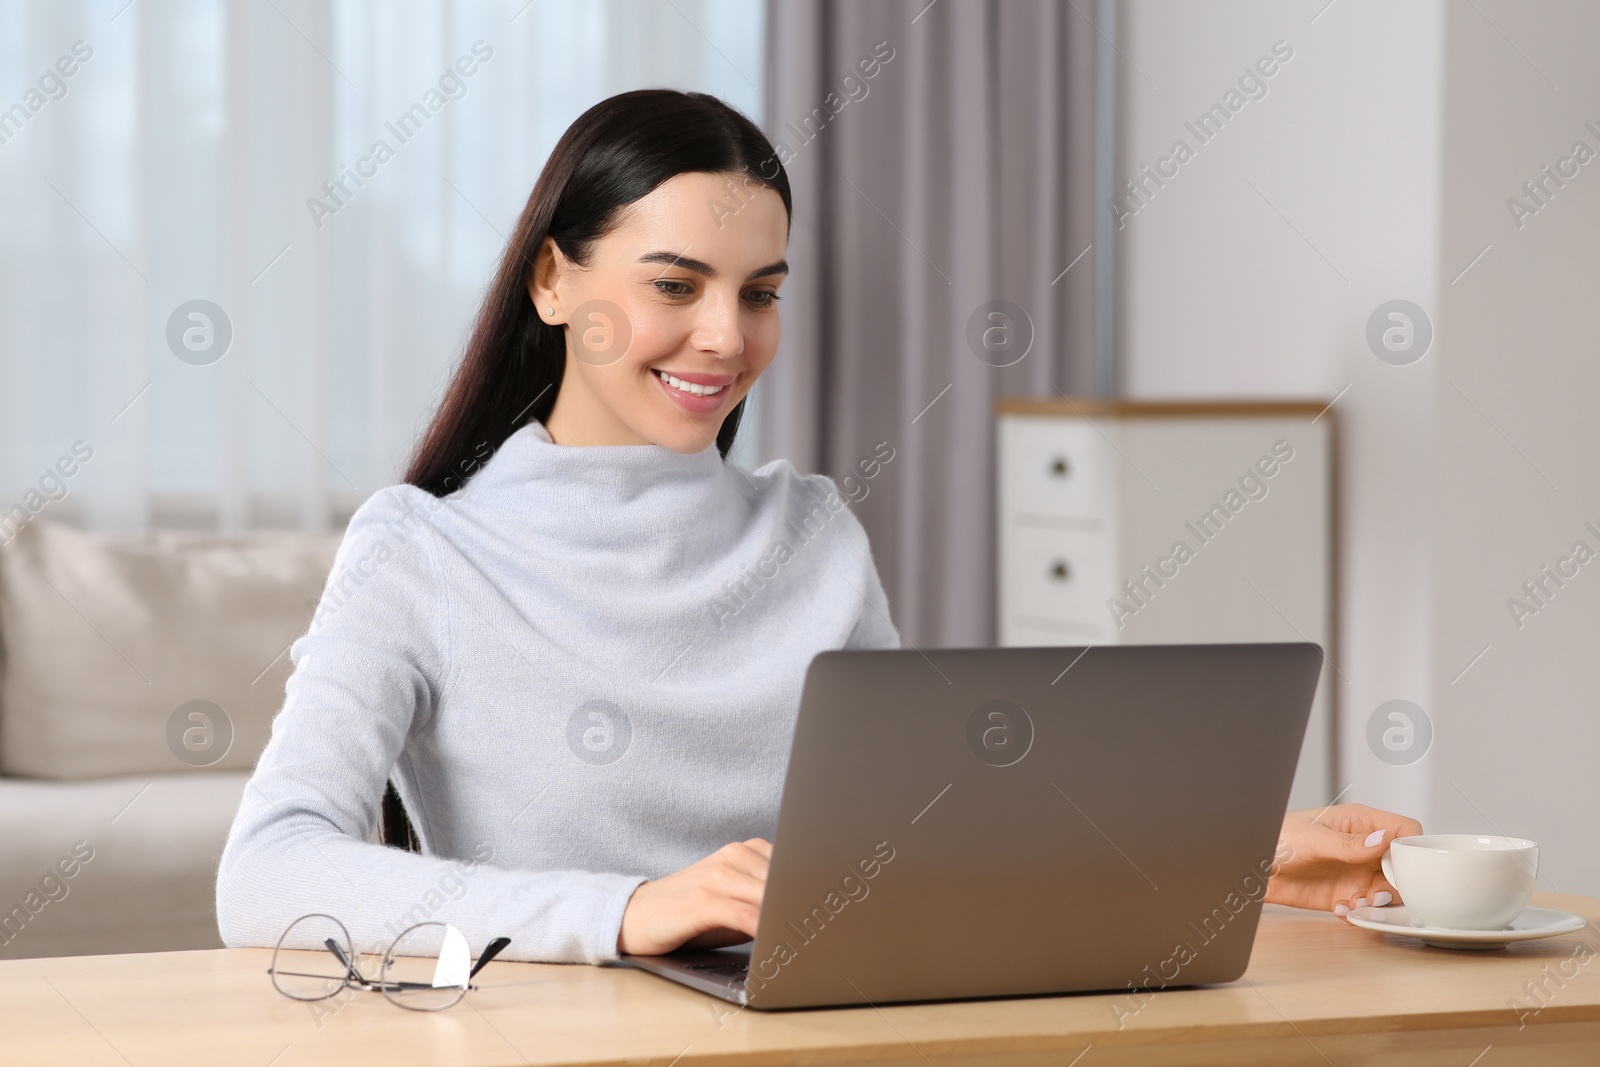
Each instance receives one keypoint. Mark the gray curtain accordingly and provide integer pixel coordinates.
(958, 174)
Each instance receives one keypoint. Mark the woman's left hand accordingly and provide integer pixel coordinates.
(1328, 860)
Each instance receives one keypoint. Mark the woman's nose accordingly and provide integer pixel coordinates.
(717, 329)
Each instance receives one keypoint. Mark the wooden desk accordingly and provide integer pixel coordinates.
(1318, 992)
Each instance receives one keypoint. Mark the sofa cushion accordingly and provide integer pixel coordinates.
(148, 653)
(120, 865)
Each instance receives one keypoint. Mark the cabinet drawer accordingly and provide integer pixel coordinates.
(1051, 580)
(1058, 468)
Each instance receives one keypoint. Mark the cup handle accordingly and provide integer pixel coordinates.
(1388, 870)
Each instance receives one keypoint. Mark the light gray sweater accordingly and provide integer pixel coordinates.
(582, 670)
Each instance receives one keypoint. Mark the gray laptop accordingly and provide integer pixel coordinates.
(962, 823)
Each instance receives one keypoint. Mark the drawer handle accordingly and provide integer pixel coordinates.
(1061, 571)
(1059, 467)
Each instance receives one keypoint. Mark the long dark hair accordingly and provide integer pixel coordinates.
(615, 153)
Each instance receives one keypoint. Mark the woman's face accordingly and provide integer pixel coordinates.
(684, 285)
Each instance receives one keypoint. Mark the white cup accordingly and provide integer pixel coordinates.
(1463, 881)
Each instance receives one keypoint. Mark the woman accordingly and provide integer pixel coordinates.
(556, 636)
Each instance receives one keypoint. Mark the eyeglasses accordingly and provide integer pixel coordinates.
(428, 968)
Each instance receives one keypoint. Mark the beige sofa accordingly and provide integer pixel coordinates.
(139, 675)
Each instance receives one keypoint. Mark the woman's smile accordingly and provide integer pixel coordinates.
(698, 394)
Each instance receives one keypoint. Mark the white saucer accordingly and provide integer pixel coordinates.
(1532, 924)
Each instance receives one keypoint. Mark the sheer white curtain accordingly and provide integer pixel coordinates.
(331, 184)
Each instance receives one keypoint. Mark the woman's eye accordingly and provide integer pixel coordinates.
(761, 298)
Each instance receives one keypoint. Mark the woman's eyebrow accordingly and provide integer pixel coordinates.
(676, 259)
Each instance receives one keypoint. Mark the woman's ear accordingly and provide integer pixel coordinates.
(544, 284)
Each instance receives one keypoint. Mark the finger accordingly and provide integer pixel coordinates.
(748, 861)
(1360, 819)
(737, 915)
(1378, 894)
(720, 923)
(1333, 842)
(1341, 908)
(741, 877)
(1398, 825)
(1382, 894)
(730, 884)
(761, 845)
(754, 861)
(1363, 847)
(1369, 818)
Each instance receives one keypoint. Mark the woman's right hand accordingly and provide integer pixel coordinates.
(711, 903)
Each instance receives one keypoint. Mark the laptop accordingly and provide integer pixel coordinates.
(965, 823)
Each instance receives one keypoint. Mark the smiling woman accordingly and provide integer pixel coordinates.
(539, 670)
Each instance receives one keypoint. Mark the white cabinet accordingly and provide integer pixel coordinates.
(1146, 522)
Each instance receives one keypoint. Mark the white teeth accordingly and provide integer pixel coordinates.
(690, 387)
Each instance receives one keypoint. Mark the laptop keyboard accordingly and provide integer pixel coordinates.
(736, 969)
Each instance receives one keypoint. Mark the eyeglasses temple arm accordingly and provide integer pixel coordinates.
(351, 974)
(493, 949)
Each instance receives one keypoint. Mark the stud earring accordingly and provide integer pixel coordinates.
(550, 311)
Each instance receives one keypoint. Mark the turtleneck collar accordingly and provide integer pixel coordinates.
(615, 473)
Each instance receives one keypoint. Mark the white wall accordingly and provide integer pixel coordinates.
(1253, 271)
(1518, 434)
(1377, 167)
